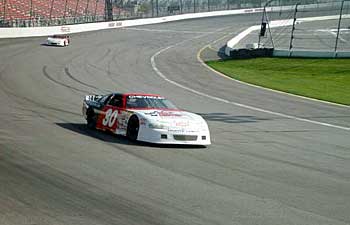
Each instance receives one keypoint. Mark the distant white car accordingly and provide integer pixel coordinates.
(58, 40)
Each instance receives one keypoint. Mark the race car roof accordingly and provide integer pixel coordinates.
(137, 94)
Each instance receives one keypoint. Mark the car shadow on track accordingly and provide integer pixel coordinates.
(81, 128)
(227, 118)
(51, 46)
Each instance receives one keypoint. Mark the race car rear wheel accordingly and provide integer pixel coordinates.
(133, 128)
(91, 119)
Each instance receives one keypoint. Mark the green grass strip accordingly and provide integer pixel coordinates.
(324, 79)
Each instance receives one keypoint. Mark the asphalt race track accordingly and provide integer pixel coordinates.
(275, 159)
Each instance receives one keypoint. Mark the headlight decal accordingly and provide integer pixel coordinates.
(157, 125)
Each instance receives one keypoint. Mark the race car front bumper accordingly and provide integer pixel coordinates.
(183, 137)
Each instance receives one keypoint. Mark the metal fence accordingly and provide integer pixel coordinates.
(29, 13)
(332, 35)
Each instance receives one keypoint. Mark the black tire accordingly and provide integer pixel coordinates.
(133, 128)
(91, 119)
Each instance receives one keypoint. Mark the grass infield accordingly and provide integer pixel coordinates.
(324, 79)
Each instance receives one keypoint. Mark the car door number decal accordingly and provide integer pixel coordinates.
(110, 117)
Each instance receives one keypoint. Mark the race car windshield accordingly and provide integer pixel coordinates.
(148, 102)
(58, 36)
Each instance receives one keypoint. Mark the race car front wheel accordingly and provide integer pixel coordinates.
(91, 120)
(133, 128)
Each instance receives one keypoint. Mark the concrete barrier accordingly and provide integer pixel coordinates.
(251, 53)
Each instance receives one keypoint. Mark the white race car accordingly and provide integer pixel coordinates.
(58, 40)
(145, 117)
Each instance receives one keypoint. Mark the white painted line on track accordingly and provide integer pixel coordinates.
(160, 74)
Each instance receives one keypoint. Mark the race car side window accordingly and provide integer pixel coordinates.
(105, 99)
(116, 100)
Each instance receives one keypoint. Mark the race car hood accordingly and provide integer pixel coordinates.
(55, 40)
(173, 119)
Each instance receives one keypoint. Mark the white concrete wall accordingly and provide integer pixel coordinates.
(68, 29)
(310, 54)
